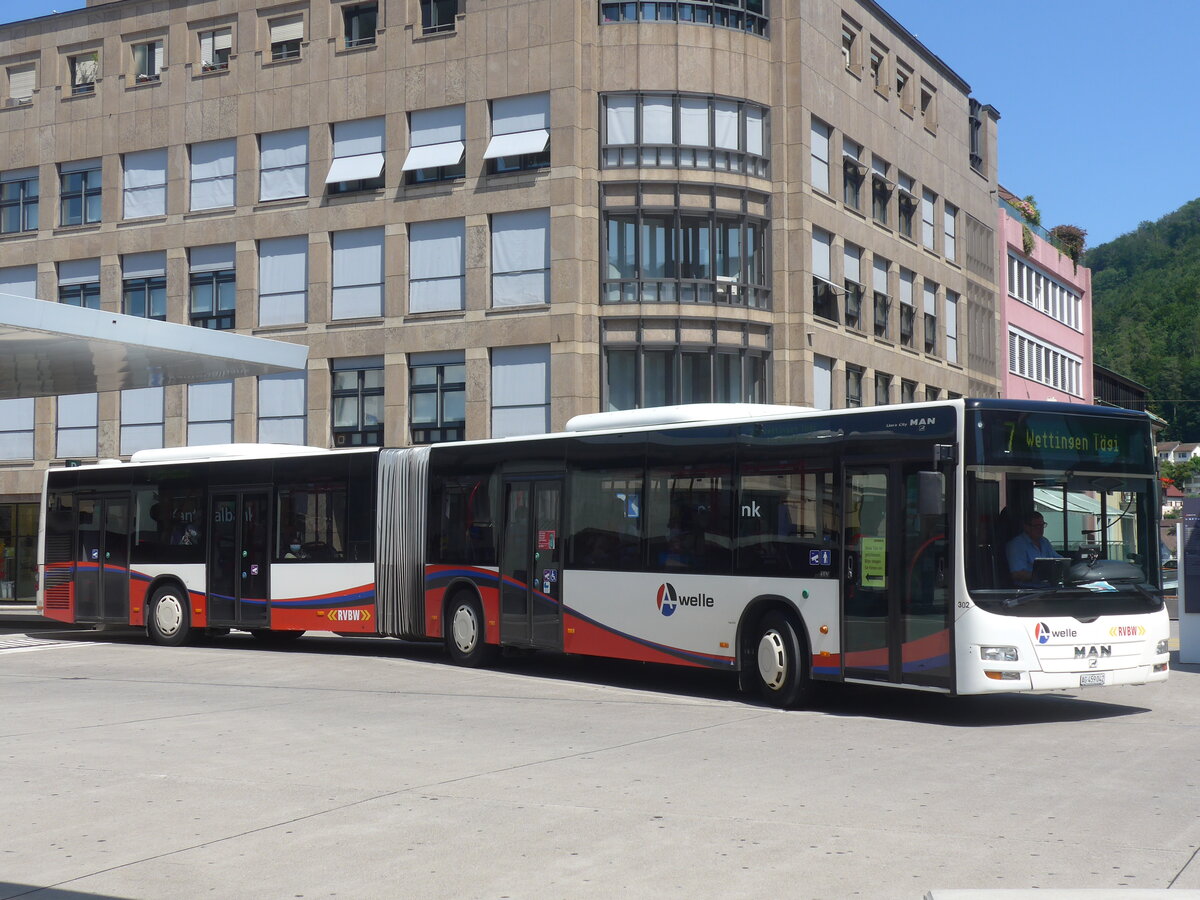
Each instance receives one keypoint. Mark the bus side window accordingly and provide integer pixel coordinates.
(786, 519)
(606, 519)
(313, 516)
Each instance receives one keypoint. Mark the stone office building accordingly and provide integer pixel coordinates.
(486, 217)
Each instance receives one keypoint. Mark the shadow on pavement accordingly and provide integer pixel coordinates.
(10, 891)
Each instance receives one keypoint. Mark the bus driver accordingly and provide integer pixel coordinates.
(1027, 546)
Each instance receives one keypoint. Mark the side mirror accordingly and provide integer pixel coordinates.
(931, 493)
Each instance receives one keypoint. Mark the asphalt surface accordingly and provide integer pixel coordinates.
(355, 768)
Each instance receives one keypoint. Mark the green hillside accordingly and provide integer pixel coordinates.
(1146, 313)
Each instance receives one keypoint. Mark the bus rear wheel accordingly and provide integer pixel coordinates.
(781, 666)
(168, 621)
(465, 633)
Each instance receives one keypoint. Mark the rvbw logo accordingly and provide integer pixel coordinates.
(670, 600)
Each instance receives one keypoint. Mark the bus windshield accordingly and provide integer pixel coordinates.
(1070, 541)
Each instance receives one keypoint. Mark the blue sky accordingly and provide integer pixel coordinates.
(1099, 116)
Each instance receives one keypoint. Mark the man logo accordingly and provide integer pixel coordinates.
(1041, 631)
(667, 601)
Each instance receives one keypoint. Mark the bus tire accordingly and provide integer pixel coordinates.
(274, 636)
(168, 620)
(465, 632)
(781, 666)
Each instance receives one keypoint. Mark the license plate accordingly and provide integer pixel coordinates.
(1091, 679)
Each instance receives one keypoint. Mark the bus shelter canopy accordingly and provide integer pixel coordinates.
(49, 349)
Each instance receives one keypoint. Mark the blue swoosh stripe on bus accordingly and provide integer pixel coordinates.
(326, 602)
(447, 574)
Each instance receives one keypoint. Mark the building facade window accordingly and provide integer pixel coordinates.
(281, 409)
(879, 77)
(19, 194)
(906, 204)
(359, 24)
(824, 291)
(210, 413)
(853, 171)
(287, 33)
(214, 174)
(357, 398)
(928, 204)
(822, 382)
(689, 131)
(881, 190)
(436, 265)
(855, 291)
(520, 390)
(438, 15)
(819, 159)
(283, 164)
(144, 285)
(521, 258)
(908, 391)
(213, 287)
(904, 84)
(750, 16)
(147, 61)
(928, 106)
(76, 426)
(883, 389)
(19, 281)
(216, 46)
(930, 305)
(283, 280)
(141, 420)
(977, 141)
(83, 69)
(22, 81)
(520, 134)
(16, 428)
(145, 188)
(932, 393)
(79, 192)
(1032, 358)
(437, 141)
(357, 273)
(686, 256)
(703, 363)
(854, 386)
(357, 156)
(850, 46)
(907, 309)
(883, 304)
(1037, 289)
(437, 397)
(949, 230)
(951, 327)
(79, 283)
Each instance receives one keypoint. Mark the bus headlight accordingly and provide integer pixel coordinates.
(998, 654)
(1162, 646)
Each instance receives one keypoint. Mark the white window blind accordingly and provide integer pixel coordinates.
(19, 281)
(16, 428)
(693, 122)
(520, 390)
(906, 286)
(288, 28)
(620, 118)
(76, 432)
(145, 184)
(144, 265)
(78, 271)
(214, 258)
(821, 241)
(210, 413)
(820, 156)
(930, 298)
(754, 130)
(212, 43)
(881, 275)
(79, 165)
(822, 382)
(357, 150)
(657, 120)
(21, 82)
(282, 280)
(214, 172)
(725, 125)
(520, 125)
(928, 199)
(283, 164)
(281, 408)
(435, 265)
(950, 214)
(141, 419)
(951, 327)
(437, 138)
(358, 273)
(853, 258)
(521, 258)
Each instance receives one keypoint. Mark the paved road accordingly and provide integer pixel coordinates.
(362, 769)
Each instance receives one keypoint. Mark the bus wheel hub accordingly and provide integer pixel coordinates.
(772, 660)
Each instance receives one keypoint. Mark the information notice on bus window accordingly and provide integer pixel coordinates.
(874, 562)
(545, 540)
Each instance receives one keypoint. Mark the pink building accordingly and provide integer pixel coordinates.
(1045, 316)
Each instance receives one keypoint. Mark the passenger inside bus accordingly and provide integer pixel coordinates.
(1029, 545)
(295, 549)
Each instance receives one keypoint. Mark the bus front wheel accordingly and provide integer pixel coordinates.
(169, 622)
(781, 667)
(465, 633)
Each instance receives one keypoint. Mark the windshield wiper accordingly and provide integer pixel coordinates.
(1028, 596)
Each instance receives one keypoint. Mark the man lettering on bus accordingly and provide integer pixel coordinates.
(1027, 546)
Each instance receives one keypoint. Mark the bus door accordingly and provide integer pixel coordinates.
(897, 604)
(531, 563)
(239, 551)
(102, 562)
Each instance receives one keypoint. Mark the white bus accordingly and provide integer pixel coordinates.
(789, 546)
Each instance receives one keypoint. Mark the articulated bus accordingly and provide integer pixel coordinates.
(788, 546)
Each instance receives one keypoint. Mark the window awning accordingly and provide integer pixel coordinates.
(517, 144)
(430, 156)
(355, 168)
